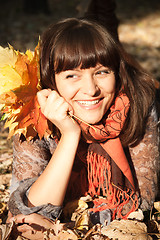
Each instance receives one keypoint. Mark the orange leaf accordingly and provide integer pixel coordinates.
(8, 98)
(32, 115)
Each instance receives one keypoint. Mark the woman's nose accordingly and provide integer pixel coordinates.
(89, 86)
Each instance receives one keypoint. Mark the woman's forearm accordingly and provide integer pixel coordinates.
(51, 186)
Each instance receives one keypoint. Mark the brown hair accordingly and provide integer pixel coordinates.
(74, 42)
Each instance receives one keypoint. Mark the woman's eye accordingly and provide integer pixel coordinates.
(71, 76)
(102, 72)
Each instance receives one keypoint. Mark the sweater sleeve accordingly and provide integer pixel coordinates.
(145, 157)
(29, 160)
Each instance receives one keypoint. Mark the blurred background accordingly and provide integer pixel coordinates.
(22, 21)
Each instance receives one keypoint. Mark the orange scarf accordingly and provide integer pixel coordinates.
(107, 134)
(103, 140)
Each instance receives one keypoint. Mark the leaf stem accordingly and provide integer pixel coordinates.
(73, 116)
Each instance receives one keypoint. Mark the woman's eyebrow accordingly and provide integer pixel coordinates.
(75, 69)
(101, 66)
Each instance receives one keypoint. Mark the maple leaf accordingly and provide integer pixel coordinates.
(126, 230)
(10, 79)
(19, 77)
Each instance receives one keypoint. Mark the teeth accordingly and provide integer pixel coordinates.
(88, 102)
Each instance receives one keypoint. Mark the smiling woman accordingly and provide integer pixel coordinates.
(100, 104)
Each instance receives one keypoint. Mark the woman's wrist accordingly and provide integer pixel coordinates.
(72, 135)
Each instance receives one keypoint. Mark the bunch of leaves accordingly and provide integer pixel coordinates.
(19, 84)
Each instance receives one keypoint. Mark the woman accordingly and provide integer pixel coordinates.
(104, 140)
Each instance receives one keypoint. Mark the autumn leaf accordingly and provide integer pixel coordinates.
(77, 211)
(5, 230)
(126, 230)
(157, 206)
(9, 77)
(32, 115)
(19, 78)
(67, 235)
(138, 215)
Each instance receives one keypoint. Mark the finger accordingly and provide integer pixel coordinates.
(42, 97)
(47, 101)
(59, 101)
(24, 228)
(53, 103)
(52, 97)
(18, 218)
(64, 108)
(32, 235)
(35, 220)
(21, 218)
(44, 92)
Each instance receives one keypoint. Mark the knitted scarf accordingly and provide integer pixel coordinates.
(104, 158)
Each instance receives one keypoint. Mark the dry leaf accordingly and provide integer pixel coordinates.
(74, 208)
(157, 206)
(67, 235)
(126, 230)
(5, 230)
(83, 221)
(58, 227)
(137, 215)
(77, 211)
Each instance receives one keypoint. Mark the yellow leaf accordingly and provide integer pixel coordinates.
(10, 123)
(74, 207)
(1, 106)
(8, 56)
(14, 68)
(12, 129)
(82, 222)
(29, 54)
(9, 79)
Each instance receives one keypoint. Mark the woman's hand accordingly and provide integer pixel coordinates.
(55, 108)
(50, 187)
(34, 225)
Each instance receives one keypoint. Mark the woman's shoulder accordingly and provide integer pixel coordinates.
(150, 141)
(152, 121)
(153, 114)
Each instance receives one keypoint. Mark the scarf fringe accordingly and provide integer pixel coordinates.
(114, 198)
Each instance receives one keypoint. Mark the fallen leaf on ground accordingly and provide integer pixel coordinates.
(157, 206)
(138, 215)
(67, 235)
(5, 231)
(126, 230)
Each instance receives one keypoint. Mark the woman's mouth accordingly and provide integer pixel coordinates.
(90, 104)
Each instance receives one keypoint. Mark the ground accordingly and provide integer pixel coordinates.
(139, 32)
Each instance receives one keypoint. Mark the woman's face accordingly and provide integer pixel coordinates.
(89, 91)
